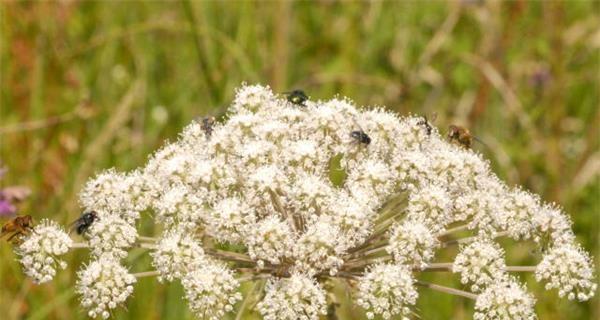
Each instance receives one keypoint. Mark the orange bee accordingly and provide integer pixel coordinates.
(17, 226)
(460, 135)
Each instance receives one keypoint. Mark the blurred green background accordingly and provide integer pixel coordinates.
(91, 85)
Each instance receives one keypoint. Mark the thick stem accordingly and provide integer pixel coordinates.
(456, 229)
(376, 248)
(230, 256)
(469, 239)
(360, 263)
(365, 244)
(253, 277)
(147, 239)
(447, 266)
(82, 245)
(453, 291)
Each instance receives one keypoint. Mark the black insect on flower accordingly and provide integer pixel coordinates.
(84, 222)
(297, 97)
(424, 122)
(360, 136)
(207, 125)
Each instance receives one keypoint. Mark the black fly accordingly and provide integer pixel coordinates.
(297, 97)
(207, 125)
(360, 136)
(84, 222)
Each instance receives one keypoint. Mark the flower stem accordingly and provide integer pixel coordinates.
(469, 239)
(449, 290)
(147, 239)
(253, 277)
(456, 229)
(447, 266)
(228, 255)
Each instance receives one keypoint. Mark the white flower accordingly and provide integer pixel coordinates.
(103, 285)
(387, 290)
(505, 300)
(270, 241)
(569, 269)
(211, 290)
(431, 205)
(319, 248)
(229, 219)
(118, 193)
(40, 251)
(297, 297)
(251, 98)
(352, 217)
(517, 216)
(110, 233)
(480, 263)
(179, 205)
(177, 253)
(552, 223)
(412, 243)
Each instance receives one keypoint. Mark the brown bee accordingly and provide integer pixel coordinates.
(462, 136)
(17, 226)
(207, 125)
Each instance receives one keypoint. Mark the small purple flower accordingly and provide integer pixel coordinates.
(6, 208)
(11, 195)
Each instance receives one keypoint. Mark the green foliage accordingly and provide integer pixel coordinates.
(90, 85)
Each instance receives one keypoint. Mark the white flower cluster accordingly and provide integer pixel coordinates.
(211, 290)
(176, 254)
(505, 300)
(40, 251)
(569, 269)
(480, 263)
(297, 297)
(111, 234)
(270, 241)
(412, 243)
(116, 193)
(103, 285)
(311, 191)
(387, 290)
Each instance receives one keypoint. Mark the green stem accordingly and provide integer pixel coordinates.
(452, 291)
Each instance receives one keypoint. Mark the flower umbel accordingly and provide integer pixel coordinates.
(41, 250)
(307, 199)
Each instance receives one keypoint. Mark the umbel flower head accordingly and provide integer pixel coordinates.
(294, 195)
(103, 285)
(41, 250)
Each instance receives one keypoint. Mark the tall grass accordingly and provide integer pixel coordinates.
(91, 85)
